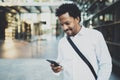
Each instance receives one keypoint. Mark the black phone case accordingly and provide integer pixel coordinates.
(53, 62)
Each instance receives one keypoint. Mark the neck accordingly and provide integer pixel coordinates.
(78, 30)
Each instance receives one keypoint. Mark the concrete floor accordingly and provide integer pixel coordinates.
(30, 61)
(26, 69)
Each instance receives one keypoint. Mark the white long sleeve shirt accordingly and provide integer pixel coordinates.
(92, 45)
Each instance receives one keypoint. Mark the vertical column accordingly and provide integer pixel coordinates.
(3, 24)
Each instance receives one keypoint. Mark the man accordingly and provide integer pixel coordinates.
(89, 41)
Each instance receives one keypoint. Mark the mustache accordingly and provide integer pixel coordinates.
(67, 30)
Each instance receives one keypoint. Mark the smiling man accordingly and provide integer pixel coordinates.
(89, 41)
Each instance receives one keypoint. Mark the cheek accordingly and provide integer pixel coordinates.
(74, 29)
(72, 26)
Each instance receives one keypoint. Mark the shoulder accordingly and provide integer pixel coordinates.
(62, 40)
(93, 32)
(63, 43)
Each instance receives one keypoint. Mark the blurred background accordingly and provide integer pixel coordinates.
(30, 31)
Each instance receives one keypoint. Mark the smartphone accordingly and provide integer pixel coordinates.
(53, 62)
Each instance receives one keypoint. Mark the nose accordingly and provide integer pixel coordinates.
(65, 27)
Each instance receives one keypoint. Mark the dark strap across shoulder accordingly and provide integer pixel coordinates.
(83, 57)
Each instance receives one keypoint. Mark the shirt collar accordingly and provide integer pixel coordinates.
(81, 32)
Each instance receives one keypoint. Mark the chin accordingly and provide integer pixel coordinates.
(70, 35)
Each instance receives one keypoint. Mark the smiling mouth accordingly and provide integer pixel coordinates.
(67, 30)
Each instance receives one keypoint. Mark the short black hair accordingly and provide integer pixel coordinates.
(71, 8)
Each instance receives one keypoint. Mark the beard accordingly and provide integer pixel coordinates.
(70, 31)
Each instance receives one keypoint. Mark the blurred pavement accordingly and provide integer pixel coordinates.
(22, 60)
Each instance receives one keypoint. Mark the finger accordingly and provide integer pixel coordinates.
(57, 68)
(51, 64)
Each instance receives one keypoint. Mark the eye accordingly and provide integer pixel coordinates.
(67, 23)
(61, 24)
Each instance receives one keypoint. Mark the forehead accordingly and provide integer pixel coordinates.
(65, 17)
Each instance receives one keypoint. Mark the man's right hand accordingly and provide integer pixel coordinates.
(56, 69)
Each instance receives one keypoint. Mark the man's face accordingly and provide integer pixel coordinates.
(69, 24)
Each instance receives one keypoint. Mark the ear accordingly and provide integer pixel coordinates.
(78, 20)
